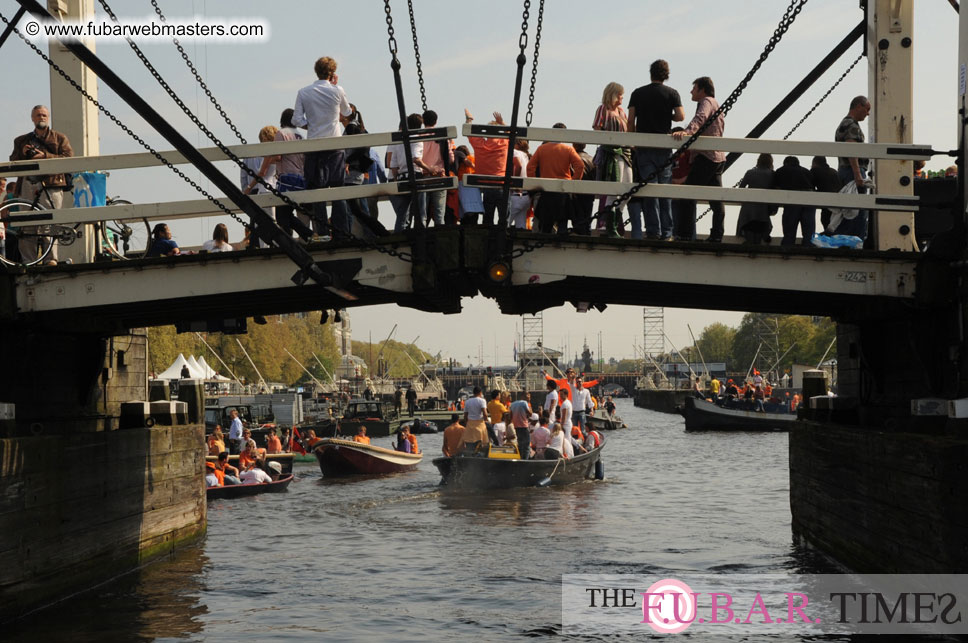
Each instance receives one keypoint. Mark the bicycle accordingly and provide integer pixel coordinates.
(117, 238)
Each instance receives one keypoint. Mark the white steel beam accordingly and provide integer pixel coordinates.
(891, 92)
(820, 273)
(217, 274)
(706, 193)
(203, 207)
(144, 159)
(753, 145)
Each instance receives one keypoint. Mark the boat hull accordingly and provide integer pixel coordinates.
(339, 458)
(284, 460)
(469, 472)
(701, 415)
(243, 490)
(605, 423)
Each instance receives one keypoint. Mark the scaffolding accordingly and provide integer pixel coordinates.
(768, 337)
(653, 331)
(531, 358)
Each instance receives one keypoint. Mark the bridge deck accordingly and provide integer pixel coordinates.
(166, 290)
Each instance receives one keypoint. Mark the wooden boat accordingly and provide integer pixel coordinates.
(339, 457)
(605, 422)
(284, 460)
(476, 472)
(702, 415)
(419, 426)
(242, 490)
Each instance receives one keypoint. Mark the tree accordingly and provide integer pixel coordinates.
(716, 343)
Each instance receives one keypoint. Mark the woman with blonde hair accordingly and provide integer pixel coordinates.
(219, 241)
(613, 163)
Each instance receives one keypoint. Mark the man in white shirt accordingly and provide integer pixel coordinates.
(551, 400)
(255, 476)
(322, 107)
(235, 433)
(566, 409)
(475, 429)
(396, 164)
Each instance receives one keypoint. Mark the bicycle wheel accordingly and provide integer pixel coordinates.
(29, 237)
(123, 238)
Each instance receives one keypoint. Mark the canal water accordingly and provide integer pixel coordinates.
(393, 558)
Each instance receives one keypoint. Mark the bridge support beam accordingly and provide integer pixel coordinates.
(890, 55)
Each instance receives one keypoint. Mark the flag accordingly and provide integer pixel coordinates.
(294, 444)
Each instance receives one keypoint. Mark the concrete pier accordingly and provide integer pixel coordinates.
(77, 510)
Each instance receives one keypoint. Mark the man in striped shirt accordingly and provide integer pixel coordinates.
(707, 167)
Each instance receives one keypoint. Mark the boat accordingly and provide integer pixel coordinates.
(498, 471)
(419, 426)
(339, 457)
(702, 415)
(253, 489)
(605, 422)
(372, 414)
(284, 459)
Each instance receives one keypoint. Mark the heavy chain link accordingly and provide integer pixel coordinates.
(534, 64)
(525, 16)
(198, 78)
(416, 54)
(225, 150)
(114, 119)
(807, 115)
(391, 41)
(824, 97)
(791, 13)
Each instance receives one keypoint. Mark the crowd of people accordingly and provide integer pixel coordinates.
(559, 429)
(322, 110)
(753, 394)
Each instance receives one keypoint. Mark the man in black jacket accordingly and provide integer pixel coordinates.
(825, 179)
(794, 177)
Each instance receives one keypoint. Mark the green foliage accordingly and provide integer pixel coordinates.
(806, 339)
(266, 345)
(716, 343)
(401, 359)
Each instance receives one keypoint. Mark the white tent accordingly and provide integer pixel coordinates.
(197, 370)
(173, 372)
(210, 372)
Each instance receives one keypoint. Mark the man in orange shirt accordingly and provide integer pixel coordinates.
(490, 157)
(361, 436)
(555, 161)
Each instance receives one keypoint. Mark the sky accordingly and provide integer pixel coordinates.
(468, 56)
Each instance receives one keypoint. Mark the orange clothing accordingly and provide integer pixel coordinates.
(245, 461)
(413, 443)
(556, 161)
(313, 442)
(220, 476)
(362, 439)
(496, 411)
(274, 444)
(215, 446)
(453, 439)
(490, 155)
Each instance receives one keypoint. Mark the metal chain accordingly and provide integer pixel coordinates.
(416, 53)
(225, 150)
(127, 130)
(807, 115)
(534, 63)
(824, 97)
(198, 77)
(788, 17)
(391, 41)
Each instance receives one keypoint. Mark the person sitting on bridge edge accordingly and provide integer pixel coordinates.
(707, 166)
(322, 107)
(219, 241)
(361, 436)
(162, 245)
